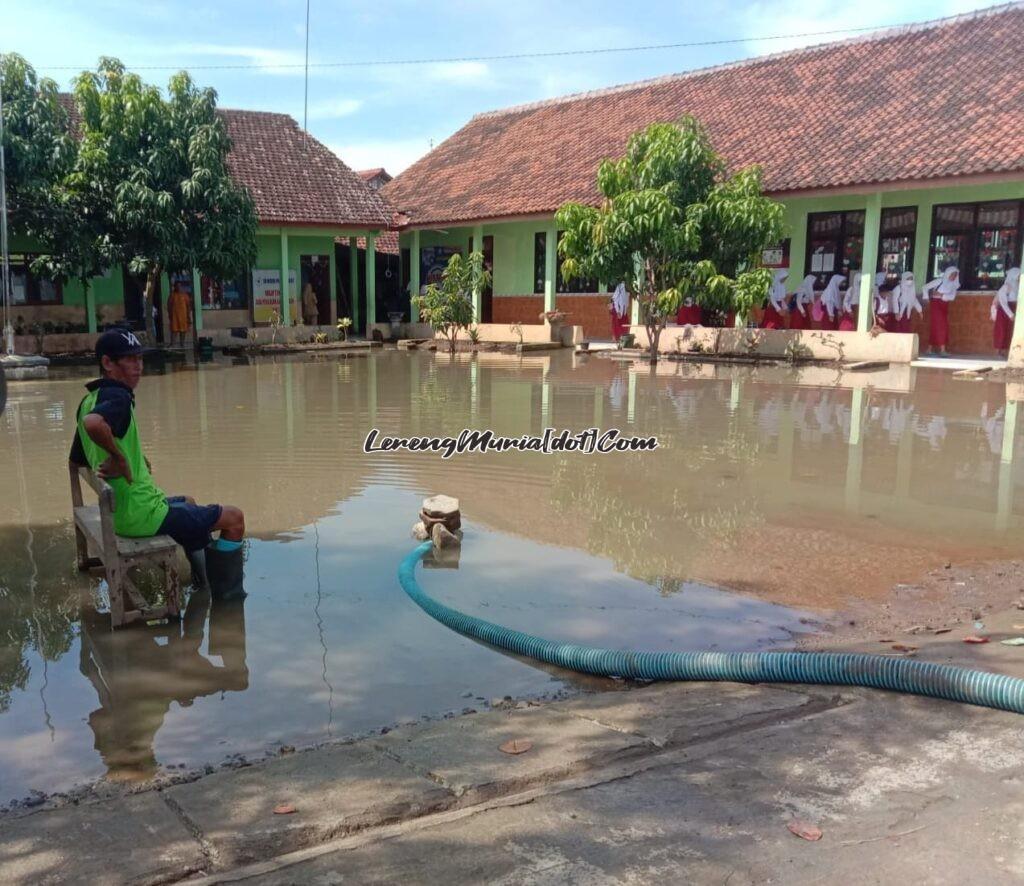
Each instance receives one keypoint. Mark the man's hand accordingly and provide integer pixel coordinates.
(115, 466)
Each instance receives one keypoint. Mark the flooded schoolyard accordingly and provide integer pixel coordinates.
(777, 498)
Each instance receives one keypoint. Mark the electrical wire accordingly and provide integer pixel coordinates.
(515, 56)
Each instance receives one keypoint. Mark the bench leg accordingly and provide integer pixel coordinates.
(115, 585)
(172, 586)
(82, 549)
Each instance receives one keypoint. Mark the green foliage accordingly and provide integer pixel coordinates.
(449, 307)
(38, 149)
(673, 224)
(155, 170)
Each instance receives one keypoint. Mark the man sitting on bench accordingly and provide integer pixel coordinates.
(107, 441)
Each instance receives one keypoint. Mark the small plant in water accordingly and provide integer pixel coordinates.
(275, 325)
(343, 326)
(517, 330)
(474, 334)
(320, 338)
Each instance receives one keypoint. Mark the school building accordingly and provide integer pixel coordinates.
(902, 150)
(318, 225)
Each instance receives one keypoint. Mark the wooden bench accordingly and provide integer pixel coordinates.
(99, 547)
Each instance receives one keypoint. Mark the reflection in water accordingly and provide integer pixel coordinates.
(797, 487)
(138, 672)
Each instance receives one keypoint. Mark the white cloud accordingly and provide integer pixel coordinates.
(271, 60)
(394, 155)
(330, 109)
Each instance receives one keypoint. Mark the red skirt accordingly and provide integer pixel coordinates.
(620, 325)
(938, 311)
(1002, 331)
(848, 323)
(689, 314)
(772, 319)
(797, 320)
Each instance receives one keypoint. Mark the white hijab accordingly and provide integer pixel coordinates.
(805, 291)
(830, 299)
(852, 296)
(778, 291)
(1011, 284)
(945, 284)
(620, 300)
(906, 295)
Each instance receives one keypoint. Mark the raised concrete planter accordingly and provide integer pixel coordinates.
(57, 343)
(806, 344)
(532, 333)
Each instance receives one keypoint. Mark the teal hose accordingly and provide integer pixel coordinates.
(832, 668)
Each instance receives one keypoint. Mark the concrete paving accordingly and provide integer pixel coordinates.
(669, 783)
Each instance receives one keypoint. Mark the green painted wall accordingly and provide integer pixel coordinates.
(513, 241)
(513, 251)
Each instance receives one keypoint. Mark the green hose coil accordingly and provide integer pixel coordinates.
(830, 668)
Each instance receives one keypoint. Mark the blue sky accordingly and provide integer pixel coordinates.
(388, 115)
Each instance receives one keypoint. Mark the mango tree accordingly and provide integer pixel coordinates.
(449, 307)
(673, 223)
(157, 169)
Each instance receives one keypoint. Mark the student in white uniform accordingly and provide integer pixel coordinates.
(905, 301)
(1004, 307)
(832, 302)
(803, 298)
(848, 322)
(941, 294)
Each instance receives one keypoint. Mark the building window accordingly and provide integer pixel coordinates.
(981, 239)
(835, 244)
(896, 243)
(577, 285)
(31, 289)
(231, 294)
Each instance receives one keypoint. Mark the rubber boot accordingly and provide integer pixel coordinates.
(224, 570)
(197, 560)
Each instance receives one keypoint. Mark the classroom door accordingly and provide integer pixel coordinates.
(316, 271)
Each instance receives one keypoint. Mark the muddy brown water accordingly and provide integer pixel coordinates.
(776, 497)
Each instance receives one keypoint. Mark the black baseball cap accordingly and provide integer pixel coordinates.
(117, 343)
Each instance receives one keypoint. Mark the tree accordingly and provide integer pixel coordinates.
(449, 307)
(37, 146)
(156, 169)
(673, 224)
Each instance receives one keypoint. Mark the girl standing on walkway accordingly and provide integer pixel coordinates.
(774, 310)
(618, 307)
(802, 299)
(941, 293)
(1003, 311)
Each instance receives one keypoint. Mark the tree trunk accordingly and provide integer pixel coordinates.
(152, 279)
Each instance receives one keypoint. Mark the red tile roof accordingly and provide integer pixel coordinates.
(293, 179)
(927, 101)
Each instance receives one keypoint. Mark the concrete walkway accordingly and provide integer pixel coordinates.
(669, 783)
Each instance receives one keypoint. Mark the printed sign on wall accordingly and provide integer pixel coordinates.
(266, 294)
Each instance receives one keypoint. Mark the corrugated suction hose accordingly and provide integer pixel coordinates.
(830, 668)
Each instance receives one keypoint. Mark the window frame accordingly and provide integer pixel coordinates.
(32, 281)
(913, 239)
(969, 268)
(245, 278)
(841, 238)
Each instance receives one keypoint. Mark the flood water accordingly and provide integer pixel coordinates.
(776, 497)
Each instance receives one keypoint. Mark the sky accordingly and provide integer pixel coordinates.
(390, 115)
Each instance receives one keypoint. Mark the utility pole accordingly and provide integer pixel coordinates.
(5, 258)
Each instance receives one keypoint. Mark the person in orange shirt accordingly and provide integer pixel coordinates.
(180, 313)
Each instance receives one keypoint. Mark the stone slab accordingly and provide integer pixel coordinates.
(675, 713)
(334, 791)
(463, 753)
(905, 790)
(135, 839)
